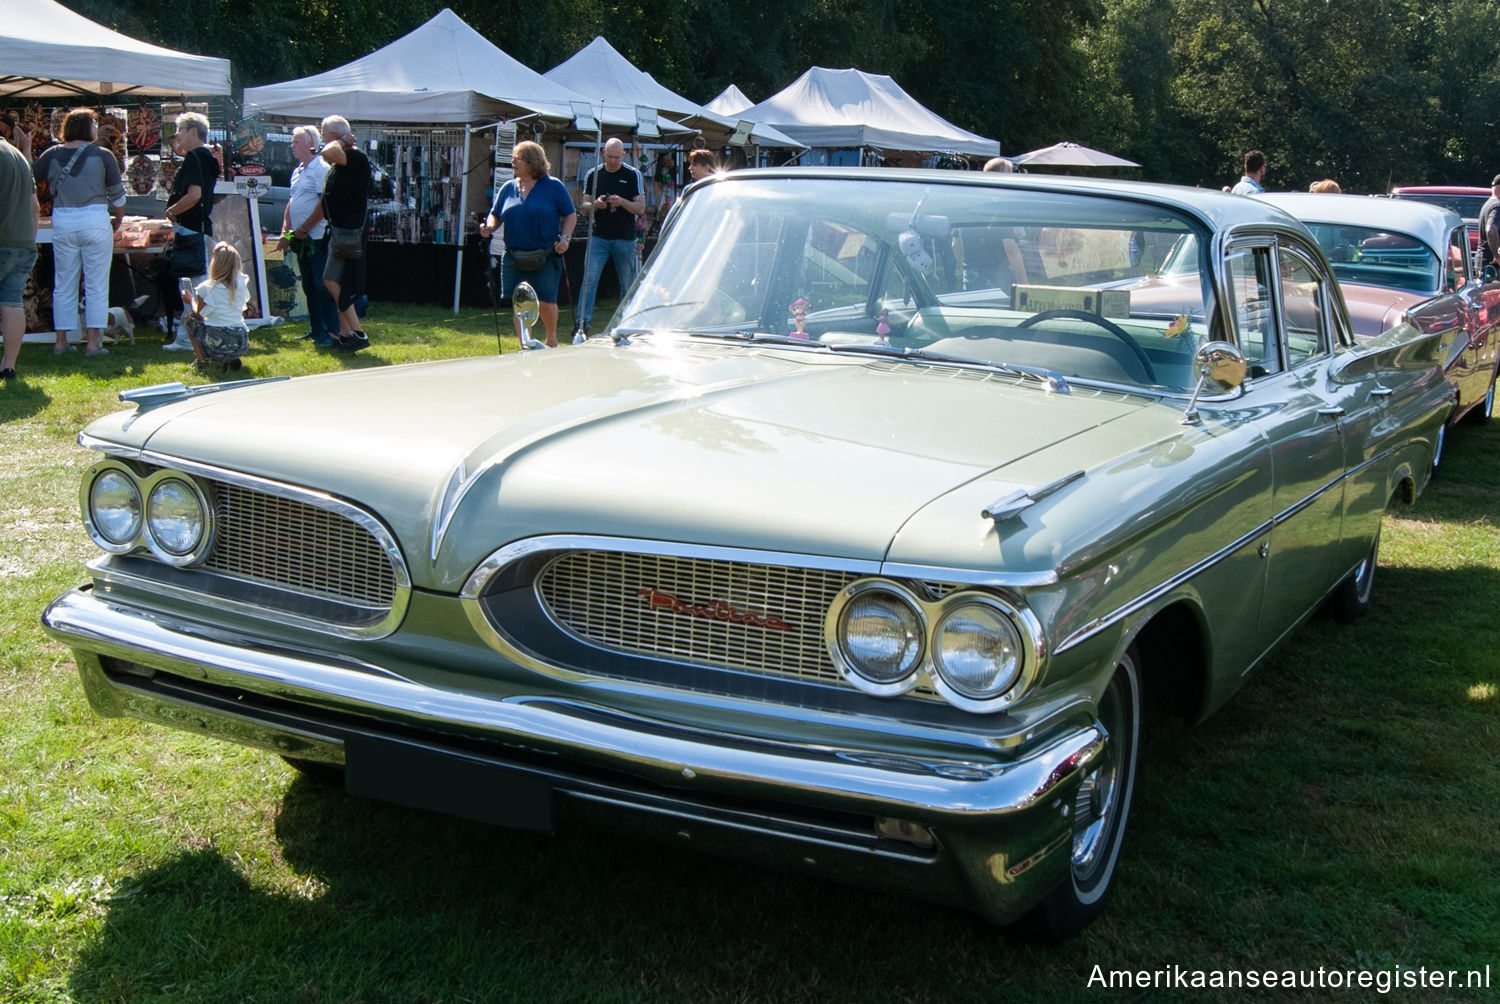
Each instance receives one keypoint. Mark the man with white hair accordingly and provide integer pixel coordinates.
(613, 196)
(303, 219)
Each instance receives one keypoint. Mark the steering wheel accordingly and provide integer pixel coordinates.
(1103, 322)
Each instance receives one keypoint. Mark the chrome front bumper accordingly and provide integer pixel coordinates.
(1001, 830)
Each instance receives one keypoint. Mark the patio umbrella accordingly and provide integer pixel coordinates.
(1072, 155)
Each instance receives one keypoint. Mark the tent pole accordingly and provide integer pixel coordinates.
(462, 228)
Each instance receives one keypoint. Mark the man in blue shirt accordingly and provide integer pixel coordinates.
(613, 195)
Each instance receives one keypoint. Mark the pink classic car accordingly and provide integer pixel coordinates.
(1407, 262)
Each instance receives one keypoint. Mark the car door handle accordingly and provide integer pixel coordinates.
(1331, 412)
(1381, 391)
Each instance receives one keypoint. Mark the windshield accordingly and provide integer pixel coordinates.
(1084, 286)
(1377, 257)
(1467, 206)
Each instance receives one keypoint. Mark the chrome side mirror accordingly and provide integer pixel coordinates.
(524, 302)
(1221, 363)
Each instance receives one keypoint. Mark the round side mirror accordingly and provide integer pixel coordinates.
(1222, 363)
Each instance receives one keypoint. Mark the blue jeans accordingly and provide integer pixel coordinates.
(601, 250)
(322, 313)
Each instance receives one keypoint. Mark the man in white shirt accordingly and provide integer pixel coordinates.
(303, 218)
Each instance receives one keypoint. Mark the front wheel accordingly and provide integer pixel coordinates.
(1100, 809)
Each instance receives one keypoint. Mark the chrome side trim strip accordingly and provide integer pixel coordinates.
(930, 789)
(968, 576)
(1152, 595)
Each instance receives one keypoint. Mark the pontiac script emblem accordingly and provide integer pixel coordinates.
(717, 610)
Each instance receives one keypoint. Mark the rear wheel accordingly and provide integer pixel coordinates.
(1100, 809)
(1351, 599)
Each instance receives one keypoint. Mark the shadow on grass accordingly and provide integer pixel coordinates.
(397, 904)
(1309, 821)
(21, 398)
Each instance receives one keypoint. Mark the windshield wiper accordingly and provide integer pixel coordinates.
(1056, 381)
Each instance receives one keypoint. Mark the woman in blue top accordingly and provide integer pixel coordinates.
(538, 216)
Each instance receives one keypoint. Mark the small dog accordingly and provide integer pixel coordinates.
(120, 325)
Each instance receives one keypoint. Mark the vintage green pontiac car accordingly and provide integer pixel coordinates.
(857, 544)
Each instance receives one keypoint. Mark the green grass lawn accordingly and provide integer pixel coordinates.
(1341, 812)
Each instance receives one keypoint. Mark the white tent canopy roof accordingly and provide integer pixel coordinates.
(730, 102)
(48, 51)
(851, 108)
(599, 68)
(441, 72)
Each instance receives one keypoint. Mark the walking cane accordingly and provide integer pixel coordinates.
(495, 275)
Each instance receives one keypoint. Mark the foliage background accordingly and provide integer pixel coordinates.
(1371, 92)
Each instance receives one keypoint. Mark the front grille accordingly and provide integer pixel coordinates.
(298, 547)
(737, 615)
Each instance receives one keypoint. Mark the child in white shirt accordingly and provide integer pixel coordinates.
(217, 328)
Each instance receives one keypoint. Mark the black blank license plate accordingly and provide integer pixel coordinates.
(444, 782)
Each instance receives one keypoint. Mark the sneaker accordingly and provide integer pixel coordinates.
(354, 342)
(308, 336)
(323, 341)
(179, 345)
(6, 375)
(234, 364)
(100, 351)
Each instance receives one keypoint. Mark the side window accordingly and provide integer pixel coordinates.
(1250, 292)
(1304, 300)
(1458, 258)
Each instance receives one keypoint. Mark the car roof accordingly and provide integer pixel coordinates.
(1219, 210)
(1427, 223)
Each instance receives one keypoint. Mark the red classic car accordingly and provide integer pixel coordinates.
(1465, 200)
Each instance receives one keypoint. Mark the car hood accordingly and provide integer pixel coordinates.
(769, 449)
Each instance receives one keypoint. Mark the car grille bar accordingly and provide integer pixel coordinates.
(740, 615)
(298, 547)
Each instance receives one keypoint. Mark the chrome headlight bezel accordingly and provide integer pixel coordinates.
(836, 632)
(122, 543)
(143, 537)
(932, 614)
(154, 537)
(1023, 638)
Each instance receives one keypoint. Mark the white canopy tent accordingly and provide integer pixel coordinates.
(598, 68)
(441, 72)
(851, 108)
(730, 102)
(48, 51)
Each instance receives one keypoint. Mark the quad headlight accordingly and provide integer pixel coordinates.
(176, 520)
(975, 650)
(113, 509)
(880, 634)
(165, 512)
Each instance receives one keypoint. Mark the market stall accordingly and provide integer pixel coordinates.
(426, 107)
(52, 59)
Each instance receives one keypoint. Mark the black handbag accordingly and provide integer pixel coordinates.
(529, 261)
(184, 255)
(344, 243)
